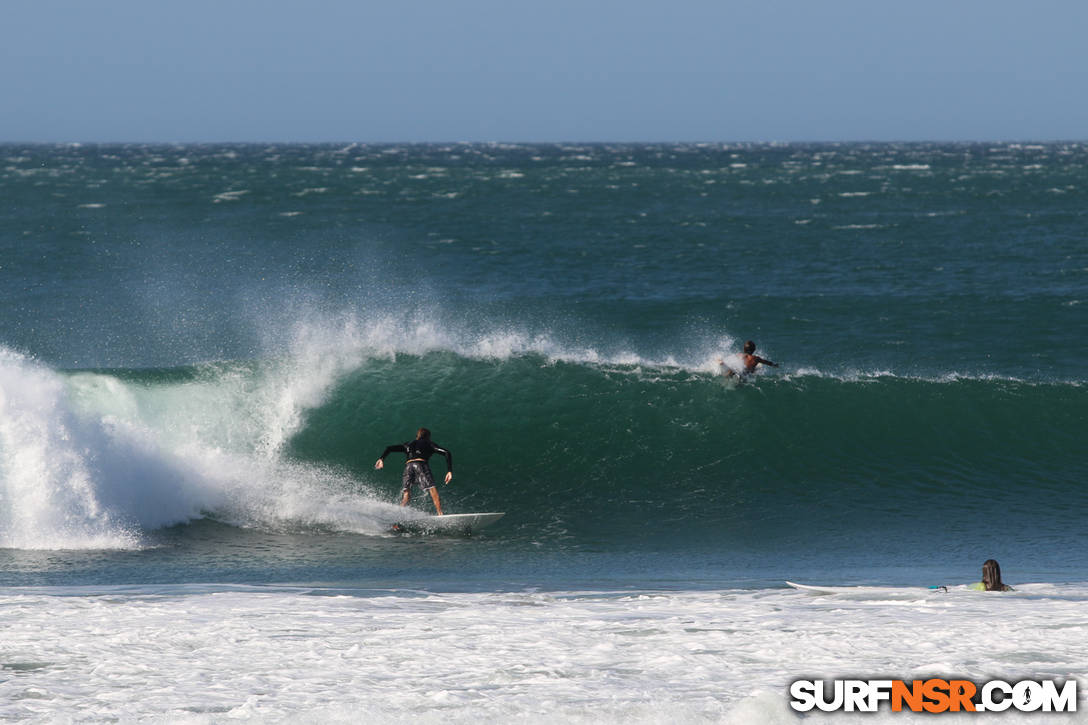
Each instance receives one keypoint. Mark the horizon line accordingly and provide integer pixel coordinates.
(497, 142)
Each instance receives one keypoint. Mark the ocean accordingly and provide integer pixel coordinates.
(205, 348)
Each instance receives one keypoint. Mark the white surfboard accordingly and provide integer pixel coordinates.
(877, 591)
(448, 524)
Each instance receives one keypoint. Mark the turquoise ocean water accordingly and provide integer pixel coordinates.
(203, 349)
(555, 315)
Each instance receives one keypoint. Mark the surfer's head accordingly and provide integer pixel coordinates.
(423, 434)
(749, 347)
(991, 576)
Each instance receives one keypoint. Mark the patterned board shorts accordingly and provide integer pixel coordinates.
(417, 473)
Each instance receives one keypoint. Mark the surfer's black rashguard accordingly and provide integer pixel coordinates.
(420, 449)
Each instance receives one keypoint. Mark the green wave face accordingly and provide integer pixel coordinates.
(612, 449)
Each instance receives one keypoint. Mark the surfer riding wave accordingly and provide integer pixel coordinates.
(417, 470)
(749, 360)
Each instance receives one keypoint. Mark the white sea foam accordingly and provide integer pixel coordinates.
(47, 484)
(312, 190)
(229, 196)
(347, 339)
(203, 654)
(352, 338)
(90, 461)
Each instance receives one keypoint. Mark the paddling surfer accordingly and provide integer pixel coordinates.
(749, 360)
(417, 471)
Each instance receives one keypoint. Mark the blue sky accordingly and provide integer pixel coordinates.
(555, 70)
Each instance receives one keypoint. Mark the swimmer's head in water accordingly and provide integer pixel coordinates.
(991, 576)
(749, 347)
(423, 434)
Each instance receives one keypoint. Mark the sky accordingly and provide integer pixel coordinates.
(542, 70)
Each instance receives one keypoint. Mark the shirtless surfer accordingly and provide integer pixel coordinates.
(750, 361)
(417, 471)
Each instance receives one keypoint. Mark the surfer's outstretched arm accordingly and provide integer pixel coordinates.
(766, 362)
(398, 448)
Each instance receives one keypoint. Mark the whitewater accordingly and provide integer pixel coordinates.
(203, 654)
